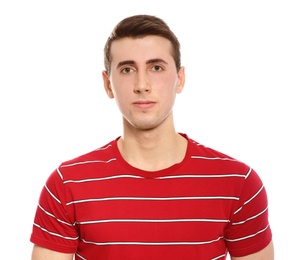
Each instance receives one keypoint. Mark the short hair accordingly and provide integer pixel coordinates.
(138, 26)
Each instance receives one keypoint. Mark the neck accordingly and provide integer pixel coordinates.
(153, 149)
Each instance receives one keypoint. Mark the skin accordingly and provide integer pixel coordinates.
(41, 253)
(144, 82)
(265, 254)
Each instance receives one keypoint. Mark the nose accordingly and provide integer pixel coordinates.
(142, 84)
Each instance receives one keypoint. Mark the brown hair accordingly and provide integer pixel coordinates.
(139, 26)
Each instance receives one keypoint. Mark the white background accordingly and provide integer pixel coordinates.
(243, 96)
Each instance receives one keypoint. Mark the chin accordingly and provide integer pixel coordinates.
(145, 125)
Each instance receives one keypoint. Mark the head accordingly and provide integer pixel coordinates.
(139, 26)
(143, 72)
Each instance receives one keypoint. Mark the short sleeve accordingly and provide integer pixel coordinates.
(249, 230)
(54, 227)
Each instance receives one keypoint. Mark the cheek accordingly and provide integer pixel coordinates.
(121, 94)
(168, 82)
(121, 101)
(119, 87)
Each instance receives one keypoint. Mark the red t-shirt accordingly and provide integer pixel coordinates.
(97, 206)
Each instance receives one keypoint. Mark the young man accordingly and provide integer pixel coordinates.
(152, 193)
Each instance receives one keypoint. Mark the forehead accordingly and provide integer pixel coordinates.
(147, 47)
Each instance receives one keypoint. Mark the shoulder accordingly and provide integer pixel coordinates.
(88, 163)
(208, 152)
(100, 153)
(214, 160)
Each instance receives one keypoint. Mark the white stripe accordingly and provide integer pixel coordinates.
(152, 221)
(103, 148)
(59, 220)
(218, 257)
(246, 202)
(104, 178)
(52, 194)
(159, 178)
(250, 236)
(80, 256)
(60, 174)
(213, 158)
(151, 243)
(147, 198)
(254, 195)
(203, 176)
(255, 216)
(86, 162)
(249, 172)
(238, 210)
(55, 234)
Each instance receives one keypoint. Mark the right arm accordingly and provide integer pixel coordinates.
(53, 231)
(42, 253)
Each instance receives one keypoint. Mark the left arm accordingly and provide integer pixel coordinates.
(265, 254)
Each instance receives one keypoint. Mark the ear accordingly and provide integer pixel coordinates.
(107, 84)
(181, 80)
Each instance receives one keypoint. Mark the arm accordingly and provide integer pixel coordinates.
(40, 253)
(265, 254)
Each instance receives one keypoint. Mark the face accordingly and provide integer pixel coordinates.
(144, 81)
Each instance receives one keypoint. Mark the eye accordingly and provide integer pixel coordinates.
(157, 68)
(126, 70)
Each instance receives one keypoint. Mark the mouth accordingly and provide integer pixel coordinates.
(146, 104)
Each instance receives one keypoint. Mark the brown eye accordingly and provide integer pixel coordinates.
(157, 68)
(126, 70)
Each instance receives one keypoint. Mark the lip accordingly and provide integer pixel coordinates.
(146, 104)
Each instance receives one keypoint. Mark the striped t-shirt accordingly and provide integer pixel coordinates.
(97, 206)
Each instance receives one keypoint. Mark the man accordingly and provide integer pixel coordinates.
(152, 193)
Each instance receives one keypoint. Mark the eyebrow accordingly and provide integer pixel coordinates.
(132, 62)
(155, 61)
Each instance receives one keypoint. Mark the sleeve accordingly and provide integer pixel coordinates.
(249, 230)
(54, 227)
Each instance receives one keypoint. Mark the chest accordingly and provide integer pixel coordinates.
(136, 209)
